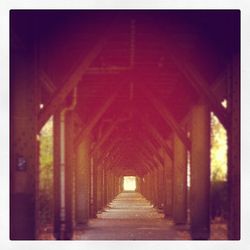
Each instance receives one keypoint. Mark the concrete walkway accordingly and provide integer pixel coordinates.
(131, 217)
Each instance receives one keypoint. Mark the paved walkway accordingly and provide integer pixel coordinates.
(131, 217)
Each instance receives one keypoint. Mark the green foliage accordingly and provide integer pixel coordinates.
(46, 173)
(218, 150)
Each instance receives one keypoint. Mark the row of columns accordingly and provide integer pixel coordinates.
(84, 187)
(166, 185)
(77, 195)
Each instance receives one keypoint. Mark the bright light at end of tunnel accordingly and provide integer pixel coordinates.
(129, 183)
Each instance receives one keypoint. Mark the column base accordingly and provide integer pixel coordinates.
(201, 234)
(22, 217)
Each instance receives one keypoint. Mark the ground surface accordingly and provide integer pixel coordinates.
(131, 217)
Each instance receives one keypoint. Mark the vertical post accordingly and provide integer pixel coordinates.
(234, 152)
(157, 186)
(179, 182)
(200, 172)
(23, 161)
(99, 188)
(161, 188)
(105, 201)
(112, 184)
(82, 182)
(138, 184)
(144, 186)
(151, 187)
(116, 185)
(69, 168)
(154, 187)
(93, 193)
(109, 186)
(168, 176)
(148, 187)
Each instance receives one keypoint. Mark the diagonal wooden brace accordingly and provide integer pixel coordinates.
(167, 117)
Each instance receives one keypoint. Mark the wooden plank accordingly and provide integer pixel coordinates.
(167, 116)
(69, 85)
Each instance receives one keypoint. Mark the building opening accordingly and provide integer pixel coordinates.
(129, 183)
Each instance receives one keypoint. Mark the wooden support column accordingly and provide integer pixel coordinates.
(155, 186)
(107, 181)
(82, 182)
(99, 188)
(179, 181)
(234, 152)
(168, 176)
(120, 184)
(149, 188)
(93, 198)
(111, 186)
(69, 168)
(138, 184)
(105, 187)
(109, 192)
(116, 185)
(23, 139)
(152, 186)
(145, 185)
(115, 190)
(161, 189)
(200, 172)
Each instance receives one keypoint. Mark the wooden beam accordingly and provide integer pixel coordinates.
(85, 131)
(202, 88)
(110, 147)
(149, 149)
(146, 158)
(47, 82)
(69, 85)
(105, 136)
(155, 150)
(167, 116)
(151, 129)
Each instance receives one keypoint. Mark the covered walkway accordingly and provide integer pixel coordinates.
(127, 94)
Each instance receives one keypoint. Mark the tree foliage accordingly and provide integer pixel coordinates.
(218, 150)
(46, 173)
